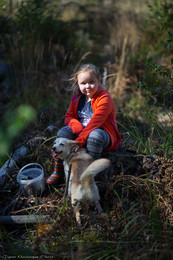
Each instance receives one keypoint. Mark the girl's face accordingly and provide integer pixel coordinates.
(88, 83)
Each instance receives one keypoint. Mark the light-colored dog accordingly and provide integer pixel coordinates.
(82, 186)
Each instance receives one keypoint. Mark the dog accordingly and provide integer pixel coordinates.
(82, 186)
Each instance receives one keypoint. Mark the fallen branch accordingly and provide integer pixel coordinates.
(11, 165)
(25, 219)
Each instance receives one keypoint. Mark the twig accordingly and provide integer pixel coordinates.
(34, 207)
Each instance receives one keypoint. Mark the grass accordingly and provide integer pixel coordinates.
(151, 137)
(138, 231)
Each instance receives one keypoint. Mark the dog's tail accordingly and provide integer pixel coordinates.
(94, 168)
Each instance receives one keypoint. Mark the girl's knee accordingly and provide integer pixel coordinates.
(65, 132)
(96, 134)
(96, 142)
(100, 135)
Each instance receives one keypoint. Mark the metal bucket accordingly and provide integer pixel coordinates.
(31, 179)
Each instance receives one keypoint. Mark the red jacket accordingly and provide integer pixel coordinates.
(104, 116)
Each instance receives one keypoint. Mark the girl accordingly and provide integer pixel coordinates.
(90, 119)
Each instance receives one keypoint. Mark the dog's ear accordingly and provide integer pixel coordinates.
(74, 146)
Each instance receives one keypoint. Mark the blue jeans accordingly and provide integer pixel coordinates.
(97, 141)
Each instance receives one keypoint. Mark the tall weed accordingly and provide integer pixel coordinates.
(153, 139)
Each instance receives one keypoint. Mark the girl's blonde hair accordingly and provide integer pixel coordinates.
(85, 68)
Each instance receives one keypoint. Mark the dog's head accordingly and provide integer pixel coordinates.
(62, 148)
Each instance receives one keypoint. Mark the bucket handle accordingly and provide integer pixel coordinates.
(30, 165)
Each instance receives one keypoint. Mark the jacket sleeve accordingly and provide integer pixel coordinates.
(71, 119)
(102, 110)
